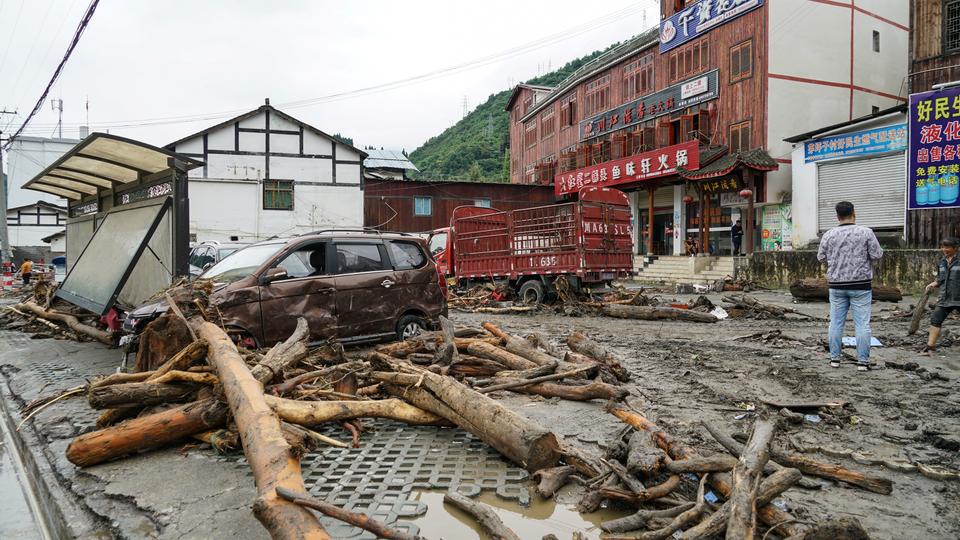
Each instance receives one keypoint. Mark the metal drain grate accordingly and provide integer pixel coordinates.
(395, 460)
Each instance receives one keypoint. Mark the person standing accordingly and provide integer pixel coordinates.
(948, 280)
(26, 270)
(736, 236)
(850, 251)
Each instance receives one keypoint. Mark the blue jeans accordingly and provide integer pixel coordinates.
(840, 302)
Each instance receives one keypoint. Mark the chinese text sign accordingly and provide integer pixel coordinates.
(934, 163)
(697, 19)
(860, 143)
(654, 164)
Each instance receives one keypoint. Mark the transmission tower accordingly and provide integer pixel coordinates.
(464, 106)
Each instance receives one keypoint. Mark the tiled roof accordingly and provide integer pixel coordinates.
(757, 159)
(387, 159)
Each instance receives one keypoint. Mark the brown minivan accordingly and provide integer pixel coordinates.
(350, 286)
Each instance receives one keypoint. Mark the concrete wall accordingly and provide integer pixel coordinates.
(26, 158)
(909, 269)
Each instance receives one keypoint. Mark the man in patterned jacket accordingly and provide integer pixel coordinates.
(850, 251)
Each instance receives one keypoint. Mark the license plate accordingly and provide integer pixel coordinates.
(607, 275)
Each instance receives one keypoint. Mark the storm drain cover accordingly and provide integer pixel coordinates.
(394, 462)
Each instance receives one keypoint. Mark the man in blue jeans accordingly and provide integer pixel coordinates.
(850, 251)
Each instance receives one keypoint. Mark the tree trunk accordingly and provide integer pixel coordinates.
(507, 382)
(736, 448)
(770, 488)
(353, 518)
(497, 354)
(580, 343)
(140, 394)
(270, 457)
(742, 523)
(806, 465)
(549, 481)
(714, 463)
(720, 481)
(146, 432)
(817, 289)
(539, 371)
(657, 313)
(311, 413)
(649, 494)
(520, 440)
(918, 313)
(72, 322)
(485, 515)
(640, 519)
(283, 355)
(644, 457)
(578, 392)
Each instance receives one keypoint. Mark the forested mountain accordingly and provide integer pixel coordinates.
(476, 148)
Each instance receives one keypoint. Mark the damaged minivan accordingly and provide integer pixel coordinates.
(350, 286)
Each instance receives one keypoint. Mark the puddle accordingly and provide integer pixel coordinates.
(16, 518)
(542, 517)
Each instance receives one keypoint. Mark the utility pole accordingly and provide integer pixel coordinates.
(57, 105)
(5, 254)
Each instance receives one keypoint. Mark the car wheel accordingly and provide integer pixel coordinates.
(532, 292)
(410, 326)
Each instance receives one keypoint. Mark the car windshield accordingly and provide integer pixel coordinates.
(226, 251)
(242, 263)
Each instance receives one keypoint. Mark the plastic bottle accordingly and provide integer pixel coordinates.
(921, 191)
(950, 190)
(933, 190)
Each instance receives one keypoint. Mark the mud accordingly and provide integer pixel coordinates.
(686, 372)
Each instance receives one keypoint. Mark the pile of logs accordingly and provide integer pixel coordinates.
(743, 305)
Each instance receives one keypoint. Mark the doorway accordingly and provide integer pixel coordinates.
(662, 233)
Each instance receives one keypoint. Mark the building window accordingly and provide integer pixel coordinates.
(548, 124)
(690, 60)
(422, 206)
(638, 77)
(278, 195)
(568, 111)
(876, 41)
(741, 61)
(597, 95)
(951, 26)
(874, 109)
(740, 137)
(530, 134)
(482, 203)
(527, 104)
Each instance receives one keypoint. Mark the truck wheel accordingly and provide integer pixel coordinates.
(531, 292)
(409, 326)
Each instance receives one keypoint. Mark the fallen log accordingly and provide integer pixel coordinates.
(120, 378)
(309, 435)
(845, 528)
(644, 457)
(521, 347)
(684, 519)
(492, 352)
(507, 383)
(769, 489)
(720, 481)
(572, 392)
(362, 521)
(139, 394)
(146, 432)
(519, 439)
(655, 492)
(72, 322)
(549, 481)
(532, 373)
(485, 515)
(283, 355)
(580, 343)
(656, 313)
(714, 463)
(539, 340)
(742, 523)
(736, 448)
(639, 520)
(818, 289)
(918, 312)
(806, 465)
(312, 413)
(270, 457)
(293, 382)
(743, 300)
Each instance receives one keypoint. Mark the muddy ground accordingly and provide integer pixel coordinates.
(686, 372)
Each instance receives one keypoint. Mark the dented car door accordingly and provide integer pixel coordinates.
(367, 296)
(307, 290)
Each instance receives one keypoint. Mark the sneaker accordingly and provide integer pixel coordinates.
(834, 362)
(863, 367)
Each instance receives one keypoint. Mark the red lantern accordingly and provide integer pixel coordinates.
(687, 199)
(745, 193)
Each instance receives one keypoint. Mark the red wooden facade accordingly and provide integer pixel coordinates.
(390, 204)
(547, 142)
(934, 59)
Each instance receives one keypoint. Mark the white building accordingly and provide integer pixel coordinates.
(29, 224)
(266, 173)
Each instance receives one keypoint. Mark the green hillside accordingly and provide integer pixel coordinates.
(482, 137)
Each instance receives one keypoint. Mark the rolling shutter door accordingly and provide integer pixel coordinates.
(875, 186)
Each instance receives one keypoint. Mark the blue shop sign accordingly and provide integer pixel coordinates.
(860, 143)
(697, 19)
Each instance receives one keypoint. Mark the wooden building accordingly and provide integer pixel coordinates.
(934, 59)
(418, 206)
(731, 78)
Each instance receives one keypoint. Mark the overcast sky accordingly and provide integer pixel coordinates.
(147, 65)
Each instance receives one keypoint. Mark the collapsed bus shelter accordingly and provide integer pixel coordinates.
(128, 219)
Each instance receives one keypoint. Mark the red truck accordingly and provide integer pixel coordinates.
(587, 241)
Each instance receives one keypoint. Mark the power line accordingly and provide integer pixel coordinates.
(73, 44)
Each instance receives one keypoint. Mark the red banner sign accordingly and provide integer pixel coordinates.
(661, 162)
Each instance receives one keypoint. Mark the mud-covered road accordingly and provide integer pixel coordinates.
(686, 372)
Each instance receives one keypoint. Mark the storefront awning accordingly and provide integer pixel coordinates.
(103, 162)
(758, 160)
